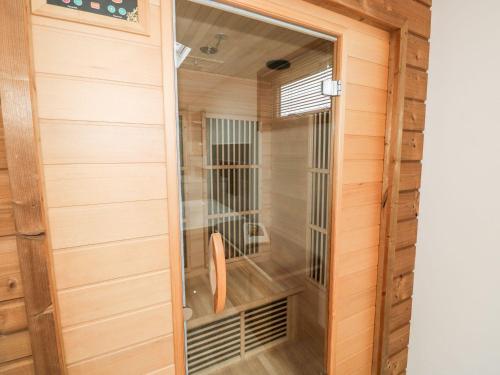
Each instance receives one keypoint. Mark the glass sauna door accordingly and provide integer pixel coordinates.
(255, 158)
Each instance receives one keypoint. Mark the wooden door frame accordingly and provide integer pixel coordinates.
(397, 26)
(19, 113)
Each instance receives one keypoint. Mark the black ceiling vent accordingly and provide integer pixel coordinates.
(279, 64)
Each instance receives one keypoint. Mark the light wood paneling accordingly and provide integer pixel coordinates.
(22, 366)
(100, 103)
(117, 332)
(95, 57)
(12, 317)
(414, 117)
(99, 301)
(361, 194)
(85, 184)
(418, 52)
(64, 143)
(86, 225)
(363, 147)
(92, 264)
(14, 346)
(367, 73)
(366, 99)
(416, 84)
(137, 359)
(365, 123)
(67, 98)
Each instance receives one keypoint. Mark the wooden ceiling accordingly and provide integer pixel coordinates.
(248, 45)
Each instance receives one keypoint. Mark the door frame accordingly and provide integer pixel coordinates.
(277, 9)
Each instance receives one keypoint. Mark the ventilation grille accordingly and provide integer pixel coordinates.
(213, 343)
(266, 324)
(228, 338)
(305, 94)
(319, 169)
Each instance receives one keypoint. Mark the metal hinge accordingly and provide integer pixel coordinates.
(331, 88)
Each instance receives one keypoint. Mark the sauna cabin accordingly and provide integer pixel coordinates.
(207, 187)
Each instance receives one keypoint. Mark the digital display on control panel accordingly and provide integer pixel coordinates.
(122, 9)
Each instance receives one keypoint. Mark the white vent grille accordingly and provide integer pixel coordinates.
(213, 343)
(266, 324)
(305, 94)
(319, 172)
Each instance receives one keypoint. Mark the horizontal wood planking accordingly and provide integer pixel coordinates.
(412, 146)
(138, 359)
(363, 147)
(95, 57)
(416, 84)
(408, 205)
(11, 285)
(7, 224)
(367, 73)
(402, 288)
(14, 346)
(400, 314)
(397, 363)
(115, 333)
(98, 301)
(152, 39)
(359, 363)
(96, 263)
(66, 142)
(363, 171)
(410, 176)
(86, 184)
(350, 327)
(87, 225)
(399, 339)
(406, 233)
(356, 261)
(404, 261)
(358, 239)
(12, 317)
(368, 47)
(75, 99)
(360, 217)
(104, 164)
(365, 99)
(365, 123)
(361, 194)
(414, 115)
(417, 52)
(23, 366)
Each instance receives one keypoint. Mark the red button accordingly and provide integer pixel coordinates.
(95, 5)
(117, 1)
(66, 1)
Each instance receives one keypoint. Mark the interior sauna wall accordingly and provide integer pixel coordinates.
(102, 134)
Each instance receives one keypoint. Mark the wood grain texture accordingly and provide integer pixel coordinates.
(416, 84)
(96, 263)
(116, 333)
(142, 358)
(414, 115)
(14, 346)
(98, 301)
(12, 317)
(404, 261)
(19, 123)
(23, 366)
(418, 52)
(86, 225)
(408, 205)
(413, 146)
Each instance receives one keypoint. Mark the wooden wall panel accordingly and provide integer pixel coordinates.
(15, 345)
(102, 137)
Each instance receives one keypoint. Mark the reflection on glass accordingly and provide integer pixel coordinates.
(255, 160)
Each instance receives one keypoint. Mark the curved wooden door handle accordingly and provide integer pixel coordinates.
(217, 271)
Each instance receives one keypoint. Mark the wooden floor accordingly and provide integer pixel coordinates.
(249, 284)
(291, 358)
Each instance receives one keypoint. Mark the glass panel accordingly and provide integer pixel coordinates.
(255, 143)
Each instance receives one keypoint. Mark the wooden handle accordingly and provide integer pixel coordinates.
(217, 271)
